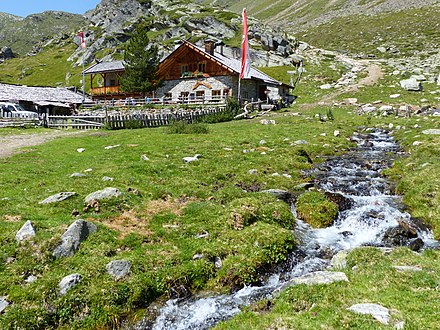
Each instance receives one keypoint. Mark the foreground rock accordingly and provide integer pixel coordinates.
(58, 197)
(379, 312)
(72, 238)
(68, 283)
(105, 193)
(3, 304)
(26, 232)
(118, 268)
(319, 277)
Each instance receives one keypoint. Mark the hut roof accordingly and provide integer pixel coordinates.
(51, 95)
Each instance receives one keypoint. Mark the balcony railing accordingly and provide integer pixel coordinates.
(109, 90)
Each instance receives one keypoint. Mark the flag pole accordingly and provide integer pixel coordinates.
(245, 55)
(83, 81)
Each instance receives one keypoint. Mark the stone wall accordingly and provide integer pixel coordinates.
(216, 87)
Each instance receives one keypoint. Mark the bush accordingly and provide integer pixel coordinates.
(182, 127)
(232, 110)
(315, 209)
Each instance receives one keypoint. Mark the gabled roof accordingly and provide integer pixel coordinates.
(112, 66)
(233, 65)
(39, 94)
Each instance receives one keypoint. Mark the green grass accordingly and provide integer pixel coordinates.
(156, 230)
(411, 31)
(48, 68)
(372, 279)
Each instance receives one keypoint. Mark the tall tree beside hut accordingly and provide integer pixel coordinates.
(141, 61)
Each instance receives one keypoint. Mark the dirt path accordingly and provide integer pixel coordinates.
(11, 144)
(374, 73)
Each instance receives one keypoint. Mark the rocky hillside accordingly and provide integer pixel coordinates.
(109, 25)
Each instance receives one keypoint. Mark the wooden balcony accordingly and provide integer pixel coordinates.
(111, 90)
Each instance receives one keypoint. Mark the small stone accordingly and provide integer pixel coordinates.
(118, 269)
(267, 122)
(144, 158)
(105, 193)
(198, 256)
(323, 134)
(77, 175)
(379, 312)
(408, 268)
(431, 131)
(68, 283)
(80, 150)
(88, 170)
(298, 142)
(417, 143)
(190, 159)
(204, 234)
(390, 126)
(107, 178)
(326, 86)
(58, 197)
(31, 279)
(3, 304)
(262, 142)
(26, 232)
(336, 133)
(253, 171)
(218, 262)
(111, 147)
(394, 96)
(227, 149)
(399, 325)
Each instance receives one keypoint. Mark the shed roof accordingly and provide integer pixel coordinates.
(105, 67)
(39, 94)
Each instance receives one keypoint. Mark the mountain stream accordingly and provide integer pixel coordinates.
(371, 216)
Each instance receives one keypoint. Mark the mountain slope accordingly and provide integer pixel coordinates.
(351, 25)
(23, 34)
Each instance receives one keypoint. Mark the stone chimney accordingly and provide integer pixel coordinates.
(209, 46)
(220, 44)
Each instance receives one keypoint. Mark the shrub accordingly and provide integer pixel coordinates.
(182, 127)
(315, 209)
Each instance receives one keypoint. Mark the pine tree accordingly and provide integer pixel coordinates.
(141, 61)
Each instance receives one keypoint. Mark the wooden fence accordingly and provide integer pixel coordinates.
(134, 120)
(18, 122)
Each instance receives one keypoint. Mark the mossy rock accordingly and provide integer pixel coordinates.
(315, 209)
(260, 207)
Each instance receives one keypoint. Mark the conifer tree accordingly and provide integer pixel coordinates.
(141, 61)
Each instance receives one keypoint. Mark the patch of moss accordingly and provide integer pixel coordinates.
(260, 207)
(315, 209)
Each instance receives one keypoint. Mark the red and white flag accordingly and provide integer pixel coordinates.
(245, 72)
(83, 40)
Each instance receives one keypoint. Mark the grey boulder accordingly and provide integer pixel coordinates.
(105, 193)
(118, 268)
(27, 231)
(379, 312)
(58, 197)
(72, 238)
(68, 283)
(411, 85)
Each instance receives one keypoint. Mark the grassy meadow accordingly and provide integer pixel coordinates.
(171, 211)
